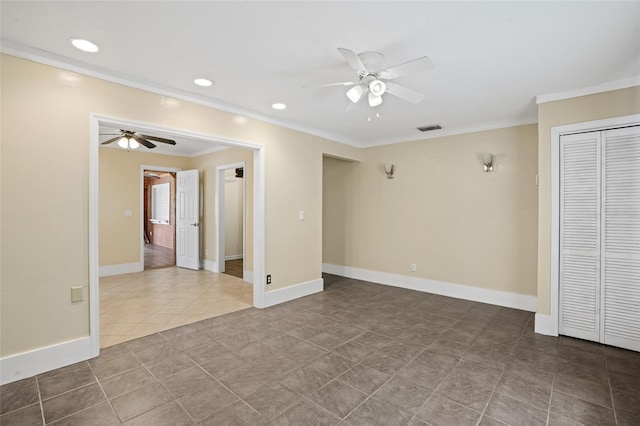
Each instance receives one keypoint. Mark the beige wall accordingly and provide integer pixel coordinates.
(207, 165)
(442, 212)
(45, 132)
(576, 110)
(233, 238)
(119, 185)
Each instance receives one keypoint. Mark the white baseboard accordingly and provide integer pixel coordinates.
(210, 265)
(28, 364)
(247, 276)
(544, 325)
(281, 295)
(459, 291)
(233, 257)
(123, 268)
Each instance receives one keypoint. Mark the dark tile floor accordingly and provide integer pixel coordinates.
(356, 354)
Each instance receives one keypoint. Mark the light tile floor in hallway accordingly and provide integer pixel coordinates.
(143, 303)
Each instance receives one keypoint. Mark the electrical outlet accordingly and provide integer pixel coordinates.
(76, 294)
(269, 279)
(413, 267)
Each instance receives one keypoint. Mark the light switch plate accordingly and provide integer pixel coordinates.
(76, 294)
(128, 213)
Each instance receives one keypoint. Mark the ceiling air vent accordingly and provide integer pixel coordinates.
(429, 128)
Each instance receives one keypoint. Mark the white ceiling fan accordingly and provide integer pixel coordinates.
(373, 80)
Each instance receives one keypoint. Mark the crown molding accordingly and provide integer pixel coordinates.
(454, 131)
(600, 88)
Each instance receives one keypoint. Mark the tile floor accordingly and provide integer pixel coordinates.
(135, 305)
(158, 257)
(356, 354)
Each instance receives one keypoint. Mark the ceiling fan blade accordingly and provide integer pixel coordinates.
(157, 139)
(415, 66)
(111, 140)
(343, 83)
(374, 100)
(404, 93)
(143, 141)
(353, 60)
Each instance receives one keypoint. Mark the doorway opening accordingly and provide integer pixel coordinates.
(231, 223)
(182, 276)
(159, 219)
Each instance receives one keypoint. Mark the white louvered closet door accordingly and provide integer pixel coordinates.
(621, 238)
(580, 236)
(600, 236)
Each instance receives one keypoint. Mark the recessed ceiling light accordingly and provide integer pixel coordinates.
(203, 82)
(278, 105)
(84, 45)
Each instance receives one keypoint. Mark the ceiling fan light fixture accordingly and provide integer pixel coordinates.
(377, 87)
(355, 93)
(374, 100)
(127, 142)
(123, 143)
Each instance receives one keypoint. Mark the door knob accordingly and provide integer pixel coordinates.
(195, 224)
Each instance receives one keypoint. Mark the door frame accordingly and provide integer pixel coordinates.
(259, 244)
(220, 219)
(556, 133)
(144, 167)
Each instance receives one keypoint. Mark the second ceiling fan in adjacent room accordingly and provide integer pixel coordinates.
(128, 139)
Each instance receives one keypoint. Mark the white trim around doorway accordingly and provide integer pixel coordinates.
(95, 120)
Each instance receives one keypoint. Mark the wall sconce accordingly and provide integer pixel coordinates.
(388, 169)
(487, 160)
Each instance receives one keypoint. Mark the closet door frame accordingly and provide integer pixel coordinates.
(551, 326)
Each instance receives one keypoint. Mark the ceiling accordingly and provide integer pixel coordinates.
(491, 58)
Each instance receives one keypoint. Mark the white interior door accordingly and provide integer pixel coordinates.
(579, 299)
(621, 238)
(188, 219)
